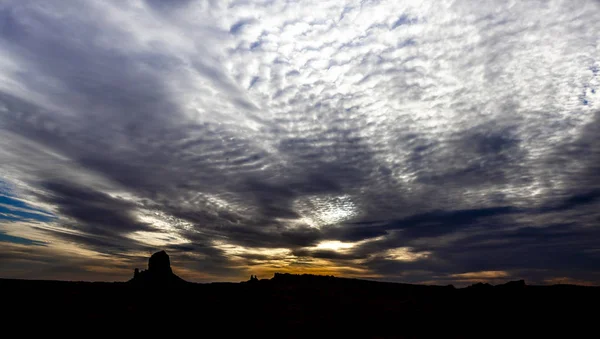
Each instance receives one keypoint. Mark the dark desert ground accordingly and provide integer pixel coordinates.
(298, 306)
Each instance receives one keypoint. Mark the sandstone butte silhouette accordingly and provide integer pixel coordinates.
(159, 272)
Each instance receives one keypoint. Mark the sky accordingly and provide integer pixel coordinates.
(437, 142)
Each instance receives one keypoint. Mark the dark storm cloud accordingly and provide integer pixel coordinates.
(578, 200)
(274, 236)
(93, 219)
(564, 248)
(212, 129)
(113, 244)
(426, 225)
(479, 241)
(586, 150)
(328, 254)
(95, 212)
(481, 156)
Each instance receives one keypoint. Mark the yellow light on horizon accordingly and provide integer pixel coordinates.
(481, 275)
(334, 245)
(405, 254)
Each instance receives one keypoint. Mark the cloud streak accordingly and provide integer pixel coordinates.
(433, 140)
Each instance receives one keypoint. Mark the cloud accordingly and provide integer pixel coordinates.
(94, 212)
(436, 139)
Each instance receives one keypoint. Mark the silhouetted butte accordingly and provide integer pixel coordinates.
(159, 272)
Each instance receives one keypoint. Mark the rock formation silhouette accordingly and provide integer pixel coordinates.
(159, 272)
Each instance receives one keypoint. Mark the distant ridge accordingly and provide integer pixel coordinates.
(511, 285)
(305, 279)
(289, 278)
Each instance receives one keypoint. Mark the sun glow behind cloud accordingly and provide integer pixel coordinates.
(319, 211)
(236, 250)
(405, 254)
(334, 245)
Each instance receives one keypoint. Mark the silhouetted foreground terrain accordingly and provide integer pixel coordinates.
(294, 306)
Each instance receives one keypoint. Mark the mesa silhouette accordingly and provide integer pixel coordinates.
(302, 305)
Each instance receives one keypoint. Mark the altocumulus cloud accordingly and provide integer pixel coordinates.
(419, 141)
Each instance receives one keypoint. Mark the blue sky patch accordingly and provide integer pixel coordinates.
(18, 240)
(12, 209)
